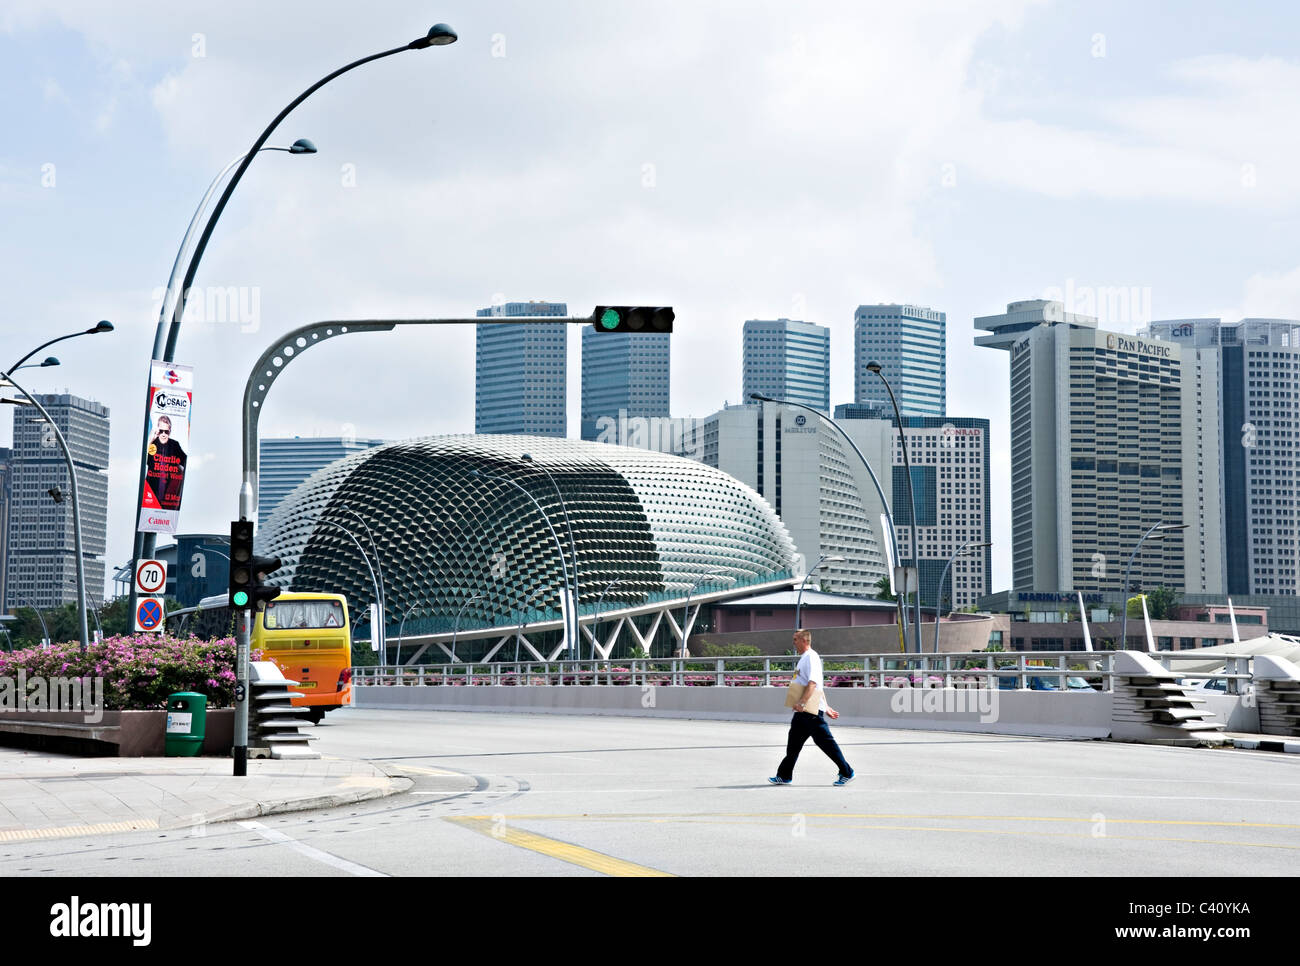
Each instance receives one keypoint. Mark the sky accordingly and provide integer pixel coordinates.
(734, 160)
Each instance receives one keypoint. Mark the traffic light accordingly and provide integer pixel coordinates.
(247, 572)
(633, 318)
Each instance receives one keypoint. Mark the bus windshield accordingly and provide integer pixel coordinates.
(290, 614)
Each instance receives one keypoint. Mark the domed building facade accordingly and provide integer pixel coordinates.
(477, 534)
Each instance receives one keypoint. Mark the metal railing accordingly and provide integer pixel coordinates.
(974, 669)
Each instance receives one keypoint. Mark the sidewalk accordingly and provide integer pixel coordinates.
(57, 796)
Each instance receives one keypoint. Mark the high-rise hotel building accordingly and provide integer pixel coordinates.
(520, 371)
(910, 343)
(1096, 451)
(788, 360)
(1242, 405)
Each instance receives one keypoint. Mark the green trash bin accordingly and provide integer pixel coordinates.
(187, 716)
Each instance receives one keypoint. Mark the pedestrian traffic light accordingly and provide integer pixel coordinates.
(633, 318)
(247, 571)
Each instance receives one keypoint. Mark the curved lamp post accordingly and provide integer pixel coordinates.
(379, 570)
(439, 35)
(95, 329)
(1162, 529)
(523, 607)
(49, 361)
(599, 601)
(686, 609)
(911, 499)
(798, 604)
(938, 594)
(76, 505)
(144, 543)
(361, 550)
(40, 617)
(564, 569)
(455, 628)
(573, 549)
(892, 536)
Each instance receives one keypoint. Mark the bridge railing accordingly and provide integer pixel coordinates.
(1067, 670)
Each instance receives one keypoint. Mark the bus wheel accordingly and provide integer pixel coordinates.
(316, 715)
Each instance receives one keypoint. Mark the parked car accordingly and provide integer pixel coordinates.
(1009, 680)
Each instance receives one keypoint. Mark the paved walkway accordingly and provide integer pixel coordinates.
(54, 796)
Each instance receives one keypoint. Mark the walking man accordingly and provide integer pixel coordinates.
(809, 721)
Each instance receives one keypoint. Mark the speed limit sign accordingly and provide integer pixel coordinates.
(150, 577)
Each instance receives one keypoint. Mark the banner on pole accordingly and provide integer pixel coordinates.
(171, 396)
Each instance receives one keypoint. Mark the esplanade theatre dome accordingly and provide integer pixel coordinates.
(450, 527)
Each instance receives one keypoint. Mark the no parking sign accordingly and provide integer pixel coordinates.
(149, 614)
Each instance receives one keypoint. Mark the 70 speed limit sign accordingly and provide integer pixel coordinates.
(150, 577)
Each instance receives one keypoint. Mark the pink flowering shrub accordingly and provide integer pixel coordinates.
(138, 671)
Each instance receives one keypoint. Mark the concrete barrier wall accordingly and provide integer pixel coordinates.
(1040, 713)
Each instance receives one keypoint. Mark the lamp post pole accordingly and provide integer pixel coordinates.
(45, 631)
(686, 610)
(573, 552)
(379, 570)
(798, 604)
(76, 512)
(938, 594)
(523, 607)
(564, 569)
(911, 499)
(373, 579)
(892, 536)
(455, 628)
(600, 600)
(1162, 528)
(438, 35)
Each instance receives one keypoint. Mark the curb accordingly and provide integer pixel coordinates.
(396, 786)
(1280, 744)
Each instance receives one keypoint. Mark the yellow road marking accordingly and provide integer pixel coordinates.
(706, 816)
(69, 831)
(564, 851)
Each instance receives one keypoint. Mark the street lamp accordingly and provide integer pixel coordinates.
(1161, 529)
(911, 499)
(599, 601)
(564, 570)
(40, 617)
(798, 604)
(686, 609)
(76, 507)
(438, 35)
(379, 570)
(455, 627)
(573, 549)
(95, 329)
(49, 361)
(938, 594)
(892, 536)
(374, 581)
(523, 607)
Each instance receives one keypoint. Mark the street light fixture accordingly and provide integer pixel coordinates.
(798, 604)
(686, 609)
(523, 607)
(599, 601)
(911, 499)
(95, 329)
(1160, 529)
(374, 581)
(938, 594)
(40, 617)
(455, 628)
(49, 361)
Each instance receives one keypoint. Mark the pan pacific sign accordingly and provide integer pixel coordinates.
(1122, 343)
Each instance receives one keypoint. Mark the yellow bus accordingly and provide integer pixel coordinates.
(308, 636)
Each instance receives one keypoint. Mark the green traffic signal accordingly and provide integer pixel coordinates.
(241, 599)
(609, 319)
(644, 319)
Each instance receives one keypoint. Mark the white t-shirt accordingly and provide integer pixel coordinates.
(809, 669)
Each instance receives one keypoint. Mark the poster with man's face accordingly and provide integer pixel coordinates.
(171, 395)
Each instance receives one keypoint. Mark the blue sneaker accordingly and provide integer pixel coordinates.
(778, 780)
(845, 779)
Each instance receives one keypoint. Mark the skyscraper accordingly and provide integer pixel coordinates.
(520, 372)
(950, 481)
(1096, 451)
(1242, 408)
(788, 360)
(623, 374)
(6, 477)
(42, 566)
(286, 462)
(910, 343)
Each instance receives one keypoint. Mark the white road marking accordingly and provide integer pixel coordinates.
(343, 865)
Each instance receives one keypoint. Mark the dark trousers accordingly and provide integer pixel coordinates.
(802, 727)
